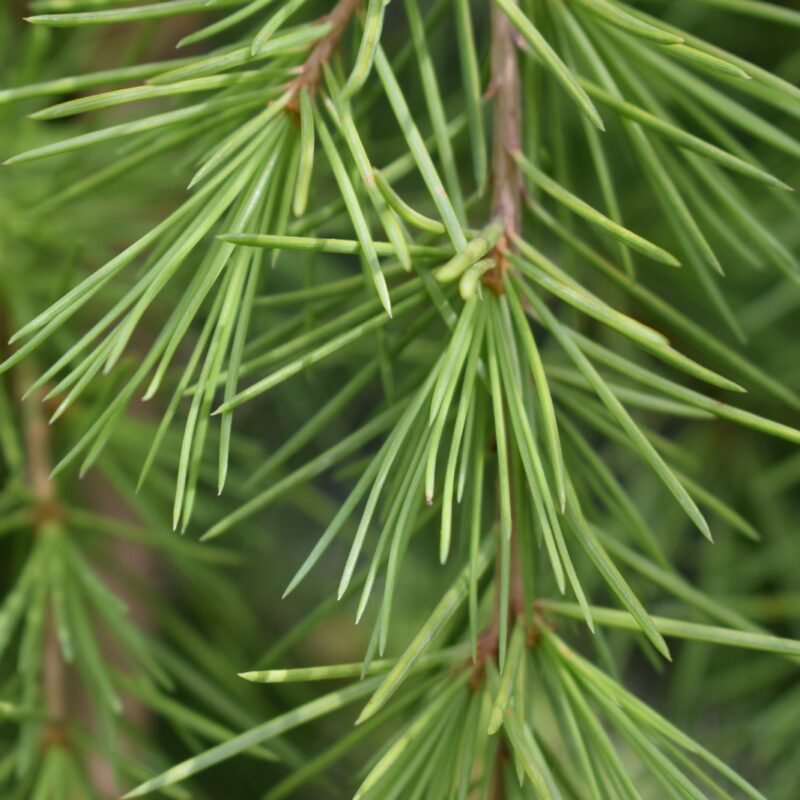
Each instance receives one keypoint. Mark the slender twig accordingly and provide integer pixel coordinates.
(505, 88)
(36, 433)
(311, 71)
(506, 194)
(36, 437)
(506, 206)
(36, 440)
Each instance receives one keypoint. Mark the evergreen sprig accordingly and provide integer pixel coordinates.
(473, 242)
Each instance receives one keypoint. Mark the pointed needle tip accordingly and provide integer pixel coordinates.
(363, 716)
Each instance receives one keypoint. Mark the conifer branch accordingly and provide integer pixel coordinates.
(504, 382)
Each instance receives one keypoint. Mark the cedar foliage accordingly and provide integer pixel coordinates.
(477, 321)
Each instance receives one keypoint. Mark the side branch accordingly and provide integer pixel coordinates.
(506, 178)
(311, 71)
(36, 436)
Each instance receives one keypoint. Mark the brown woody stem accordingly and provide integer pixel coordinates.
(311, 72)
(47, 519)
(506, 178)
(506, 196)
(506, 90)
